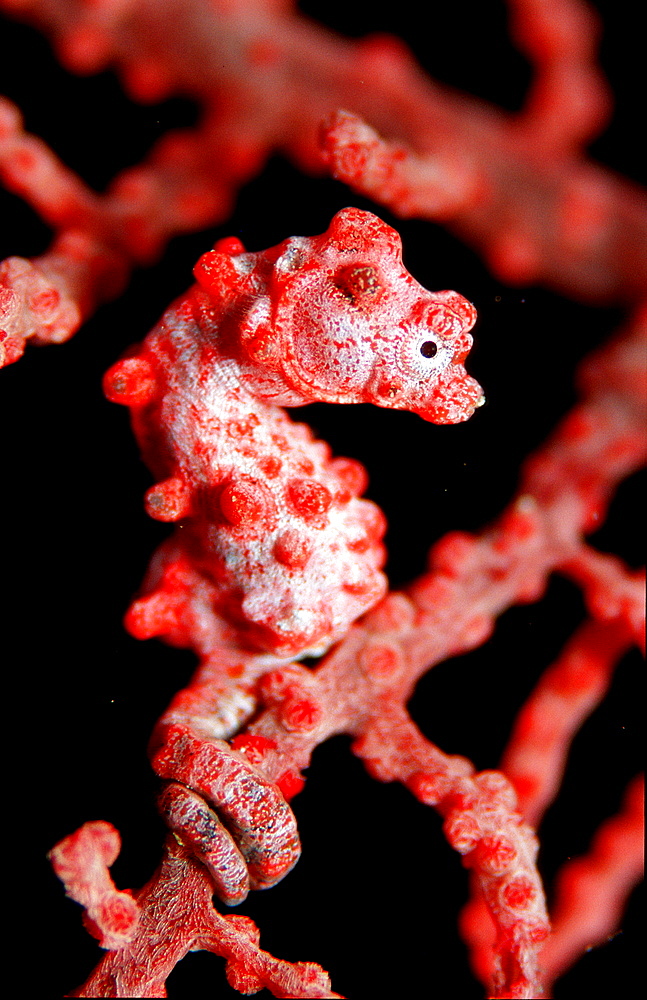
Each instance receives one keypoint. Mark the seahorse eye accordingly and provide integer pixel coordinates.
(429, 349)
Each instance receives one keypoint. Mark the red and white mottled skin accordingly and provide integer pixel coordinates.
(275, 555)
(266, 515)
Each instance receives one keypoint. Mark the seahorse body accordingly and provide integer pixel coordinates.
(273, 525)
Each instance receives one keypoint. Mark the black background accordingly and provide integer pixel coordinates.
(375, 897)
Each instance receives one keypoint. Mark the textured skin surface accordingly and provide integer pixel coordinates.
(268, 520)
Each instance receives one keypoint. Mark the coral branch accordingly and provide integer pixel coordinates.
(360, 686)
(82, 861)
(567, 693)
(274, 553)
(534, 761)
(175, 916)
(566, 224)
(535, 208)
(591, 891)
(482, 824)
(100, 238)
(569, 101)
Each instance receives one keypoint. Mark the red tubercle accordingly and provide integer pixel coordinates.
(519, 893)
(243, 427)
(244, 503)
(381, 661)
(363, 588)
(253, 746)
(360, 284)
(433, 592)
(520, 523)
(494, 855)
(276, 685)
(360, 545)
(216, 273)
(462, 796)
(300, 712)
(308, 499)
(578, 425)
(429, 787)
(169, 500)
(476, 631)
(461, 307)
(462, 831)
(395, 613)
(280, 442)
(342, 497)
(352, 473)
(230, 245)
(537, 931)
(117, 915)
(453, 553)
(290, 783)
(272, 686)
(130, 382)
(146, 80)
(306, 465)
(152, 615)
(271, 466)
(496, 789)
(292, 550)
(373, 522)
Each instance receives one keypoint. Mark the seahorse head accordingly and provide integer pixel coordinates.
(338, 318)
(355, 326)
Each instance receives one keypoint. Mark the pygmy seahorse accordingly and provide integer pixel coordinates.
(272, 525)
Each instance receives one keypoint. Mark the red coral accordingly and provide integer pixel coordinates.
(519, 189)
